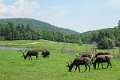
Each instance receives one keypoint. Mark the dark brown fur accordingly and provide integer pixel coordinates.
(30, 53)
(102, 53)
(101, 59)
(91, 56)
(80, 61)
(45, 53)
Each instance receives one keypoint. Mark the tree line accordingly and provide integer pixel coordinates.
(104, 38)
(36, 24)
(10, 31)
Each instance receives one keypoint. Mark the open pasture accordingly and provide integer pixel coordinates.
(14, 67)
(56, 46)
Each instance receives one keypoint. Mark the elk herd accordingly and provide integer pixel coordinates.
(89, 59)
(86, 59)
(30, 53)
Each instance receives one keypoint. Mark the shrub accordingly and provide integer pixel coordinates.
(106, 43)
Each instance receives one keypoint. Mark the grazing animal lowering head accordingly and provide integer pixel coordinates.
(45, 53)
(101, 59)
(79, 61)
(30, 53)
(23, 53)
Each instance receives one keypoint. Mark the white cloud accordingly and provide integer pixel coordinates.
(1, 1)
(26, 9)
(76, 16)
(21, 2)
(56, 15)
(21, 8)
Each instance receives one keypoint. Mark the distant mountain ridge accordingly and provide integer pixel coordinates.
(36, 24)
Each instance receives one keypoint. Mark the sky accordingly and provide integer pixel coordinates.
(78, 15)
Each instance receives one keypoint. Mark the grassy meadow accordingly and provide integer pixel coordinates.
(14, 67)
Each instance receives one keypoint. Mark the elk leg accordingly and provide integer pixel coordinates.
(94, 65)
(91, 62)
(76, 67)
(98, 65)
(79, 68)
(102, 65)
(85, 68)
(89, 67)
(107, 65)
(36, 57)
(110, 64)
(31, 57)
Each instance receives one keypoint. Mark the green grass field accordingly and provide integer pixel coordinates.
(55, 46)
(14, 67)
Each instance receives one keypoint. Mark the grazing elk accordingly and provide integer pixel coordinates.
(45, 53)
(102, 53)
(101, 59)
(105, 54)
(91, 56)
(30, 53)
(80, 61)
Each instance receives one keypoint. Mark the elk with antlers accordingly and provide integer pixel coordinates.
(80, 61)
(30, 53)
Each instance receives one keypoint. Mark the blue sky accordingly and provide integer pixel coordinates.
(78, 15)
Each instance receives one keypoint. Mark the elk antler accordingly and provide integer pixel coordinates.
(22, 52)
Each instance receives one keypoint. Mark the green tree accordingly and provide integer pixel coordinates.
(106, 43)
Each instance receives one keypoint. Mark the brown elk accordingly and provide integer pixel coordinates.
(80, 61)
(102, 53)
(101, 59)
(30, 53)
(45, 53)
(91, 56)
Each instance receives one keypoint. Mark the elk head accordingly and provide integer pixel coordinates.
(69, 66)
(69, 63)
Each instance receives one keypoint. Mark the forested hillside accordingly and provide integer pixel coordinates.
(104, 38)
(11, 31)
(36, 24)
(30, 29)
